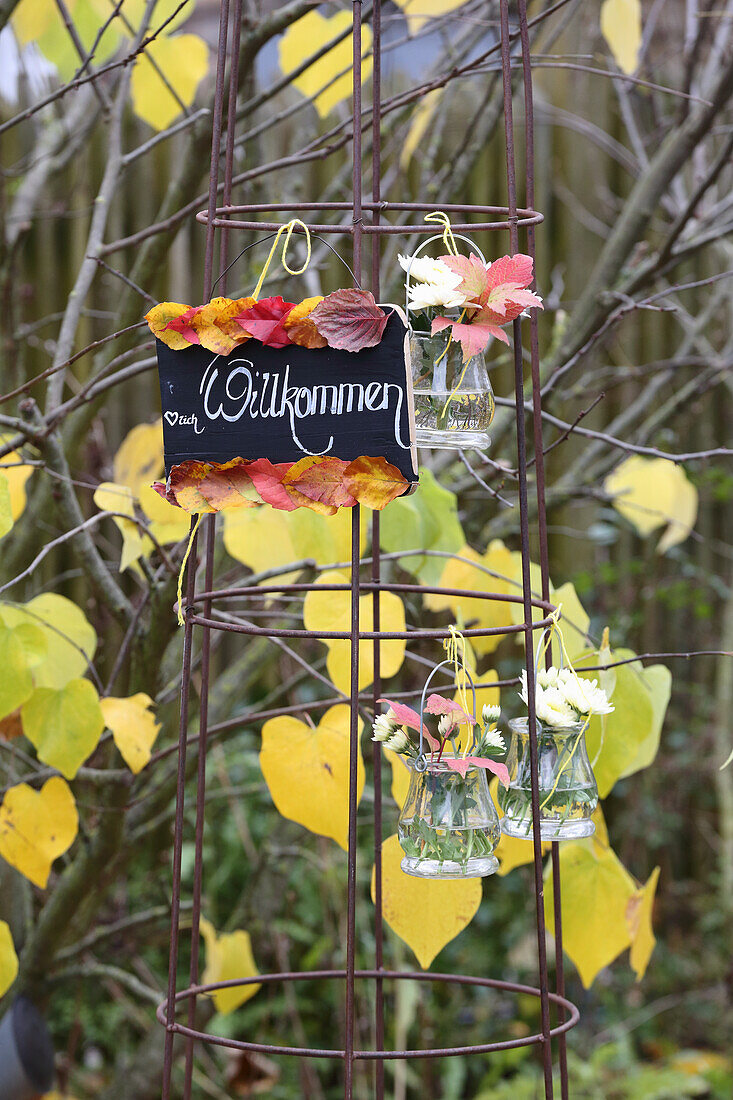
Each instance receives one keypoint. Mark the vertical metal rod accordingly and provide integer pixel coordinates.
(210, 524)
(377, 570)
(231, 129)
(216, 147)
(541, 502)
(525, 552)
(178, 830)
(353, 784)
(356, 145)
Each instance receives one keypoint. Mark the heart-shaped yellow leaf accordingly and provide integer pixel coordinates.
(184, 61)
(307, 771)
(228, 956)
(110, 497)
(596, 892)
(36, 827)
(652, 493)
(329, 79)
(22, 648)
(64, 724)
(8, 958)
(139, 458)
(490, 572)
(425, 913)
(70, 637)
(331, 611)
(621, 27)
(265, 538)
(133, 726)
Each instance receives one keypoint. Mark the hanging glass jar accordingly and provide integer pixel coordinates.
(568, 794)
(453, 401)
(448, 826)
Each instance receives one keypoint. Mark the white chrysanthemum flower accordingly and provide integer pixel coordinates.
(424, 295)
(492, 739)
(383, 726)
(585, 696)
(490, 714)
(398, 742)
(548, 677)
(424, 269)
(553, 710)
(446, 724)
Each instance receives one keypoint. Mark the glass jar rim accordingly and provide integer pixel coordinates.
(521, 726)
(440, 767)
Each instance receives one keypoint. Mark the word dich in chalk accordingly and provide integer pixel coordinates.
(286, 403)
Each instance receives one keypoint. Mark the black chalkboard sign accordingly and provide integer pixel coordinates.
(287, 403)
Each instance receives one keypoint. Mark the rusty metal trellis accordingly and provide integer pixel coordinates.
(203, 609)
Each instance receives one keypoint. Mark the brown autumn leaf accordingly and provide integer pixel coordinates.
(300, 327)
(11, 726)
(158, 319)
(249, 1073)
(320, 479)
(211, 486)
(350, 320)
(374, 482)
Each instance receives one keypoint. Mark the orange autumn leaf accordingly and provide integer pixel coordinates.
(160, 316)
(299, 326)
(211, 486)
(225, 319)
(374, 482)
(208, 326)
(320, 479)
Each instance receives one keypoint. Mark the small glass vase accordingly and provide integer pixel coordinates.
(567, 786)
(448, 826)
(454, 402)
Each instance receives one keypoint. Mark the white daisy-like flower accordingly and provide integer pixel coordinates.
(492, 739)
(383, 726)
(490, 714)
(398, 742)
(585, 696)
(424, 269)
(550, 704)
(548, 677)
(424, 295)
(446, 724)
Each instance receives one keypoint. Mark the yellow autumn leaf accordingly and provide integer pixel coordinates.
(265, 538)
(621, 28)
(40, 22)
(70, 638)
(307, 771)
(425, 520)
(426, 913)
(133, 726)
(184, 61)
(166, 522)
(420, 12)
(15, 472)
(64, 724)
(652, 493)
(400, 776)
(6, 511)
(8, 958)
(422, 116)
(324, 611)
(110, 497)
(639, 917)
(228, 956)
(627, 740)
(574, 620)
(596, 891)
(22, 649)
(139, 457)
(490, 572)
(36, 827)
(329, 78)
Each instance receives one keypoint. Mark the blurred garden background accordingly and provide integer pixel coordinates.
(105, 131)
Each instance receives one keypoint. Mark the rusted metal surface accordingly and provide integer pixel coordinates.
(204, 610)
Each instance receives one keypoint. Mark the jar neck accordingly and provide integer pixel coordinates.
(441, 767)
(520, 726)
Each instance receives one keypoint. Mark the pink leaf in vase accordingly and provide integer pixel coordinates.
(465, 762)
(406, 716)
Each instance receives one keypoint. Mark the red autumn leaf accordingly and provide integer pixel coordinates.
(473, 338)
(320, 479)
(159, 319)
(473, 272)
(162, 489)
(374, 482)
(264, 320)
(438, 704)
(350, 320)
(267, 479)
(463, 763)
(182, 325)
(211, 486)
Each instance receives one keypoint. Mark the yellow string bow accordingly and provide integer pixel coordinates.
(448, 239)
(287, 229)
(181, 573)
(455, 648)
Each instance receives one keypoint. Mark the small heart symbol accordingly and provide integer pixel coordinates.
(172, 418)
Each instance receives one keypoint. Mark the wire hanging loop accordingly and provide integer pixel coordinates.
(461, 674)
(288, 229)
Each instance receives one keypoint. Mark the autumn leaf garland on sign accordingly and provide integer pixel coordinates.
(347, 320)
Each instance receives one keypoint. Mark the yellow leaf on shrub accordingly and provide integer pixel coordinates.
(639, 917)
(596, 891)
(488, 573)
(22, 648)
(426, 913)
(265, 538)
(139, 458)
(308, 35)
(228, 956)
(422, 116)
(64, 724)
(15, 472)
(8, 958)
(36, 827)
(400, 776)
(419, 12)
(110, 497)
(184, 61)
(652, 493)
(324, 611)
(621, 27)
(512, 851)
(70, 637)
(133, 726)
(6, 511)
(307, 771)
